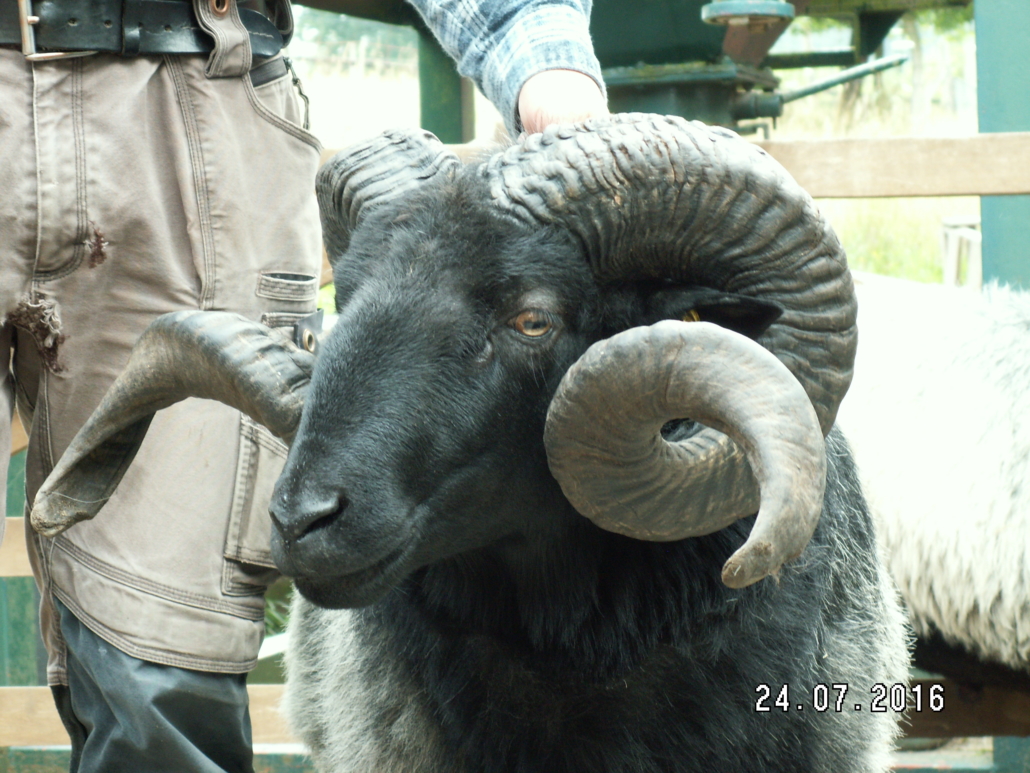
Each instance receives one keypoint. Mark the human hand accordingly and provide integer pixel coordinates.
(559, 96)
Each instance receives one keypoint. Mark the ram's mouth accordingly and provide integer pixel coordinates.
(360, 588)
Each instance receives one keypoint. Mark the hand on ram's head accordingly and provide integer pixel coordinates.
(559, 96)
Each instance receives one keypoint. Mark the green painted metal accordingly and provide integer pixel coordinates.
(21, 660)
(627, 33)
(56, 759)
(16, 486)
(872, 28)
(843, 57)
(1012, 755)
(1003, 92)
(641, 35)
(849, 7)
(688, 73)
(283, 763)
(28, 759)
(445, 103)
(20, 645)
(387, 11)
(852, 73)
(696, 90)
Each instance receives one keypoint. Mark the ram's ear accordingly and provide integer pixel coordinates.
(692, 303)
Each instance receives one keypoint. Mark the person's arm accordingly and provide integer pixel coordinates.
(532, 58)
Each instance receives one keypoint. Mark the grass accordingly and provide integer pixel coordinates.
(896, 237)
(277, 606)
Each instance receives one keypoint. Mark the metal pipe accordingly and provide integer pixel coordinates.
(850, 74)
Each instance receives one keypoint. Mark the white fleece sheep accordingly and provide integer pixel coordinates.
(939, 419)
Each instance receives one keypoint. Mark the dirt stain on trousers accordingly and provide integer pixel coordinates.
(97, 246)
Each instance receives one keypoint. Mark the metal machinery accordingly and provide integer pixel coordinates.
(702, 59)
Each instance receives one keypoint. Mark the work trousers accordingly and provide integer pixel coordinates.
(125, 714)
(131, 187)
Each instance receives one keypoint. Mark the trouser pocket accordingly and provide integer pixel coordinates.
(249, 568)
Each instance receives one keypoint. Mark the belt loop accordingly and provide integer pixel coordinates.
(232, 56)
(132, 27)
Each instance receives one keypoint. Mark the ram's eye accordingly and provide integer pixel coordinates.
(533, 323)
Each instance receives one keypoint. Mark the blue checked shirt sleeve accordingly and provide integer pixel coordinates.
(500, 44)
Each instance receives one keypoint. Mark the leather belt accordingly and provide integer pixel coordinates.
(128, 27)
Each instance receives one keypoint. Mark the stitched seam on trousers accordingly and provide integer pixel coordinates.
(162, 657)
(81, 215)
(22, 395)
(81, 200)
(152, 588)
(214, 66)
(276, 319)
(46, 546)
(286, 289)
(199, 180)
(259, 107)
(39, 171)
(268, 442)
(240, 498)
(46, 454)
(241, 30)
(45, 551)
(251, 441)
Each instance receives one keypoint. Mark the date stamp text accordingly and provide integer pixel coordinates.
(839, 698)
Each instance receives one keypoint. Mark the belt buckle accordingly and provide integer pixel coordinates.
(28, 37)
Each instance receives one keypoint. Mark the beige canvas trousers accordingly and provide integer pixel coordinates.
(131, 187)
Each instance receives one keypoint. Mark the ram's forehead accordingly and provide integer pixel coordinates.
(467, 245)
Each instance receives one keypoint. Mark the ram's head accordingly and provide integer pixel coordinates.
(582, 306)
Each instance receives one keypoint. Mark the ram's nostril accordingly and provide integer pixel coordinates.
(303, 521)
(326, 520)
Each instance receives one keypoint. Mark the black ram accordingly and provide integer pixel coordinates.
(559, 332)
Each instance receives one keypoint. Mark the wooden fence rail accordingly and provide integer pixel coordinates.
(28, 717)
(981, 165)
(987, 164)
(14, 559)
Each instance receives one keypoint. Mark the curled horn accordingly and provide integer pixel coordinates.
(604, 424)
(215, 355)
(651, 197)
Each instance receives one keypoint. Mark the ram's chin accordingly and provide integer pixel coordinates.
(328, 595)
(353, 590)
